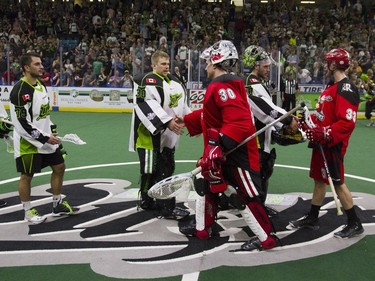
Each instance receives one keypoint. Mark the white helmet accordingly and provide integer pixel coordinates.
(253, 55)
(222, 52)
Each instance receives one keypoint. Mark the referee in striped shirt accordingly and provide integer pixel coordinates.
(288, 92)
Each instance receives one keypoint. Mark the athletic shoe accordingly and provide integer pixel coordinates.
(306, 222)
(3, 203)
(372, 123)
(252, 244)
(255, 244)
(350, 230)
(33, 216)
(271, 212)
(177, 214)
(189, 229)
(147, 204)
(64, 209)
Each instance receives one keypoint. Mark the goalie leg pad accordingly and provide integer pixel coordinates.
(205, 213)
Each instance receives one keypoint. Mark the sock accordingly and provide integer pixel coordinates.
(352, 215)
(314, 211)
(56, 199)
(26, 205)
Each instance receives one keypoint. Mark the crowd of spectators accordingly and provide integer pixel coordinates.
(105, 44)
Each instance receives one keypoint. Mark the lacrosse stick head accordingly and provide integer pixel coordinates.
(174, 186)
(73, 138)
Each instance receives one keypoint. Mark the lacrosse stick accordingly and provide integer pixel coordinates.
(73, 138)
(310, 124)
(171, 186)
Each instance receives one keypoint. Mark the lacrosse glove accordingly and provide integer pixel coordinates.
(211, 162)
(319, 135)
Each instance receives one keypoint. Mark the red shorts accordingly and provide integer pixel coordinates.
(335, 163)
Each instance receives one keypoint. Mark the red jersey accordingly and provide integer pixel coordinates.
(337, 107)
(226, 109)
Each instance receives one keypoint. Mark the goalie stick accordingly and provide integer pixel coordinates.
(171, 186)
(310, 124)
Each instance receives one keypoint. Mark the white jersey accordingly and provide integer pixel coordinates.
(263, 108)
(30, 114)
(156, 100)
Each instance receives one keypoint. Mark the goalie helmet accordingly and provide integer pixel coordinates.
(253, 55)
(222, 53)
(339, 56)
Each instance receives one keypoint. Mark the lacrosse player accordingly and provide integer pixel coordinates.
(158, 98)
(265, 111)
(334, 121)
(225, 121)
(35, 145)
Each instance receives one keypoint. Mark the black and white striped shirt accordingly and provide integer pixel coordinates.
(290, 86)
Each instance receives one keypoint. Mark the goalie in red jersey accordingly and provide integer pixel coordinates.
(225, 121)
(331, 127)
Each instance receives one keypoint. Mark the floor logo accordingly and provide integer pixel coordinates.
(117, 239)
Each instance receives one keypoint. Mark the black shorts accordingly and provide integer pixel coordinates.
(34, 163)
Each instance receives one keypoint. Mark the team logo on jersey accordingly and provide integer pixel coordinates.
(35, 134)
(347, 87)
(274, 114)
(150, 80)
(151, 116)
(325, 98)
(44, 111)
(174, 100)
(26, 97)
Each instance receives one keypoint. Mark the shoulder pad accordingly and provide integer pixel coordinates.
(349, 91)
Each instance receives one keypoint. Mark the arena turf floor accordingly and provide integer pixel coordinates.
(107, 136)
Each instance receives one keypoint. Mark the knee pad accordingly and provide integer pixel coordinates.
(201, 185)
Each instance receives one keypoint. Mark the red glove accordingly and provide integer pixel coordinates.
(302, 125)
(211, 162)
(319, 135)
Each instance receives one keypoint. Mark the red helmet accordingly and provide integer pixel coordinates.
(339, 56)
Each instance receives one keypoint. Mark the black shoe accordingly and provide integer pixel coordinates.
(189, 229)
(255, 244)
(64, 209)
(350, 230)
(306, 222)
(3, 203)
(176, 214)
(252, 244)
(271, 212)
(147, 204)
